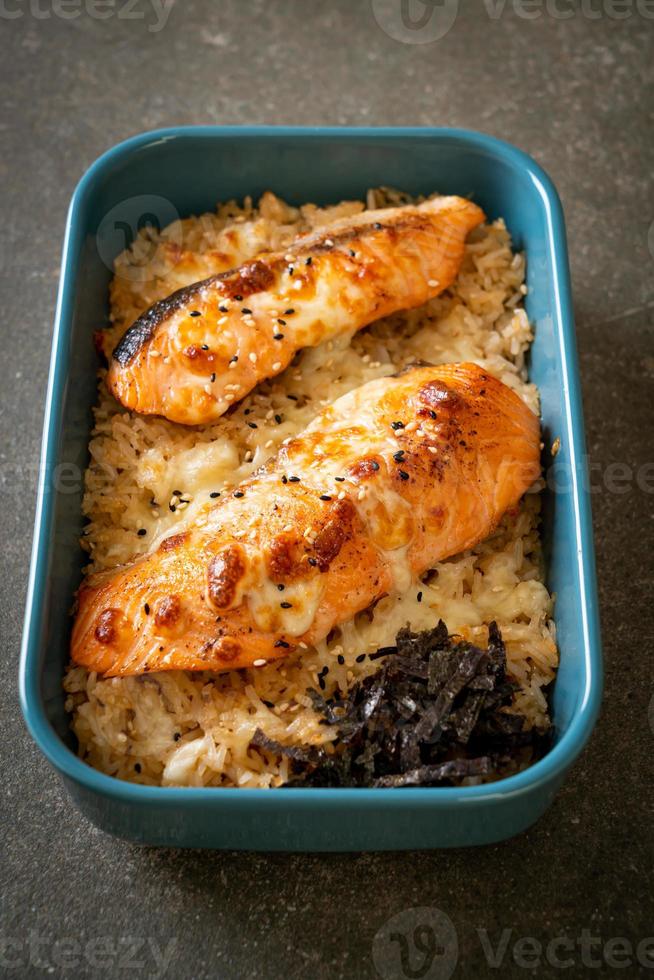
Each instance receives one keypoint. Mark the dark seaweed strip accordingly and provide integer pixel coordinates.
(434, 712)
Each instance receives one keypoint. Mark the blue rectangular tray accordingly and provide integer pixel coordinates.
(159, 176)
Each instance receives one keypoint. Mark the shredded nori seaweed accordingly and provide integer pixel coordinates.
(432, 714)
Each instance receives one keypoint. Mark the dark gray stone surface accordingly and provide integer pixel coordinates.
(576, 93)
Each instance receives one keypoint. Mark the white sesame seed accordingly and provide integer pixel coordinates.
(166, 360)
(288, 527)
(411, 426)
(207, 388)
(222, 320)
(259, 663)
(268, 444)
(229, 398)
(297, 284)
(433, 450)
(328, 241)
(277, 365)
(361, 494)
(155, 353)
(341, 495)
(253, 357)
(231, 365)
(432, 282)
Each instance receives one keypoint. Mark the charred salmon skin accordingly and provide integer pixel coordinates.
(199, 351)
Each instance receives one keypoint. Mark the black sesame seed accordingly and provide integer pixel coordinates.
(325, 496)
(340, 479)
(205, 347)
(214, 494)
(278, 419)
(146, 608)
(213, 377)
(378, 225)
(282, 643)
(286, 605)
(223, 309)
(313, 561)
(233, 359)
(309, 261)
(137, 767)
(239, 493)
(352, 252)
(177, 736)
(195, 313)
(284, 479)
(419, 597)
(341, 659)
(433, 414)
(289, 312)
(321, 682)
(397, 425)
(253, 425)
(281, 322)
(290, 270)
(239, 299)
(399, 456)
(360, 658)
(278, 336)
(177, 493)
(141, 532)
(292, 398)
(281, 586)
(294, 479)
(245, 310)
(403, 474)
(374, 464)
(172, 508)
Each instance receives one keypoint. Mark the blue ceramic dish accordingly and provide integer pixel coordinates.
(185, 171)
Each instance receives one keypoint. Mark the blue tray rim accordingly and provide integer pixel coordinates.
(548, 770)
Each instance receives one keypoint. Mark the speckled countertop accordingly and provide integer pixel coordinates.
(576, 92)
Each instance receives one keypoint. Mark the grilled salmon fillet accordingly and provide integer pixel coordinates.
(192, 355)
(389, 479)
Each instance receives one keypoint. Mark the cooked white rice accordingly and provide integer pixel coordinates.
(194, 729)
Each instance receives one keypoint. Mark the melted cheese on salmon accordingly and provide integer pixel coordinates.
(391, 478)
